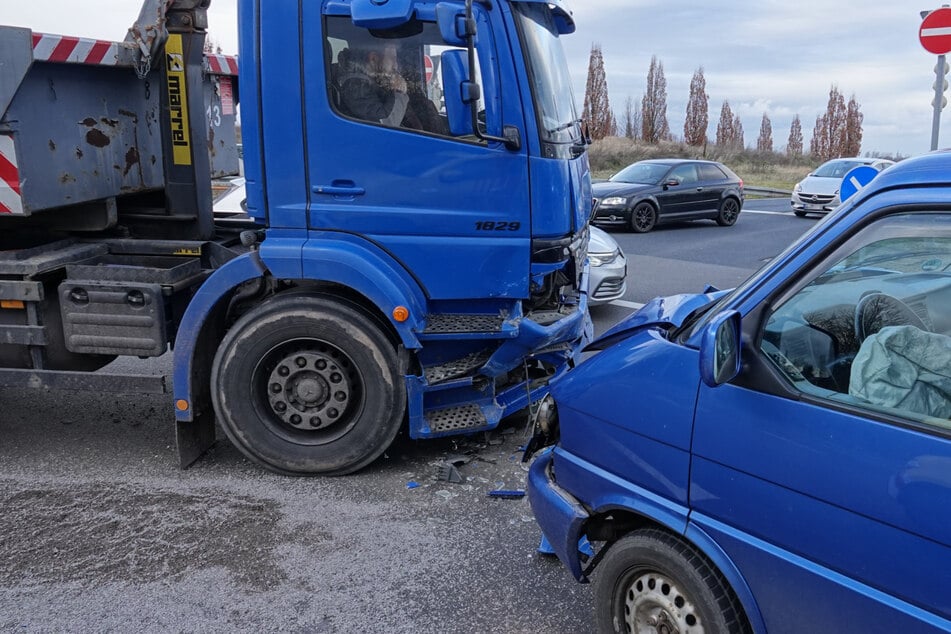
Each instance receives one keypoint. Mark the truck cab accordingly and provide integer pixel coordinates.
(776, 457)
(418, 195)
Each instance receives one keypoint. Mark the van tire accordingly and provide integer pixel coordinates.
(652, 574)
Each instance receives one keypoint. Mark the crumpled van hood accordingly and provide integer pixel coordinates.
(667, 312)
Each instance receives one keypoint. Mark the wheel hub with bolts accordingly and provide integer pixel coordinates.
(655, 605)
(309, 390)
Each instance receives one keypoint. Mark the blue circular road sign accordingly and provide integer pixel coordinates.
(855, 179)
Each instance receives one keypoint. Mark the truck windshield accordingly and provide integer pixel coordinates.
(548, 69)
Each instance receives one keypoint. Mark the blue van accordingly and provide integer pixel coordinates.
(776, 458)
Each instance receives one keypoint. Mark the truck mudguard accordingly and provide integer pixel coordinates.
(344, 260)
(222, 281)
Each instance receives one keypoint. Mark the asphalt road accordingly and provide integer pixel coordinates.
(100, 531)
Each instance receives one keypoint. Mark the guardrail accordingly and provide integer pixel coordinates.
(767, 192)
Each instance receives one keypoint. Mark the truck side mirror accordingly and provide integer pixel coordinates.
(460, 93)
(720, 349)
(373, 14)
(452, 24)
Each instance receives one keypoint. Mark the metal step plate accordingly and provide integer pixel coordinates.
(450, 323)
(456, 418)
(455, 369)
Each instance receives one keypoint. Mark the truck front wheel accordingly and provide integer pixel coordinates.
(306, 386)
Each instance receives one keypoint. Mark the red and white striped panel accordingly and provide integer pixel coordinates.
(222, 64)
(10, 200)
(76, 50)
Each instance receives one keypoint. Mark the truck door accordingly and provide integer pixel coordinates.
(382, 163)
(826, 473)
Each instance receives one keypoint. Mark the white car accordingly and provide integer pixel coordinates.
(608, 271)
(818, 193)
(230, 201)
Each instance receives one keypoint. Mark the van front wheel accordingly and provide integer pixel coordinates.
(651, 581)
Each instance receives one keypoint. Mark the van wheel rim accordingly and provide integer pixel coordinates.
(654, 604)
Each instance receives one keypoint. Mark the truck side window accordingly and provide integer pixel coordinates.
(391, 81)
(874, 328)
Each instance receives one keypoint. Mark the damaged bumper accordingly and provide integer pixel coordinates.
(560, 516)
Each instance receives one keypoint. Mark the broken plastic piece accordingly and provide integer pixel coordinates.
(507, 494)
(584, 546)
(449, 473)
(412, 485)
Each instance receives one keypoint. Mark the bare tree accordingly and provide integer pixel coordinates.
(211, 45)
(829, 135)
(764, 143)
(654, 126)
(632, 119)
(853, 128)
(725, 127)
(794, 144)
(695, 125)
(738, 142)
(597, 108)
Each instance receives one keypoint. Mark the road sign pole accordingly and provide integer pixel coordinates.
(938, 94)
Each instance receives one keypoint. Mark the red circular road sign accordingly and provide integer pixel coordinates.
(935, 31)
(428, 65)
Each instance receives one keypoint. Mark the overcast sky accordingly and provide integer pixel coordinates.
(780, 57)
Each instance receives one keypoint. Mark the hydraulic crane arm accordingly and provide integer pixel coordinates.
(147, 36)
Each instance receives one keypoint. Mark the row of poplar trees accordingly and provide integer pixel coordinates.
(837, 132)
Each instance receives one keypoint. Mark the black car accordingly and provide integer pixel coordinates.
(668, 190)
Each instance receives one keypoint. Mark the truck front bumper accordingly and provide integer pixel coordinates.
(560, 516)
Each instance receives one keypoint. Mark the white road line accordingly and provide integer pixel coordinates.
(768, 213)
(626, 304)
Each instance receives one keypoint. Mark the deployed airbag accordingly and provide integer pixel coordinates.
(904, 367)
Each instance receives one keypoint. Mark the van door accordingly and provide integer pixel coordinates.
(824, 470)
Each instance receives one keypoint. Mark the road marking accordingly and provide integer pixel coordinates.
(626, 304)
(767, 213)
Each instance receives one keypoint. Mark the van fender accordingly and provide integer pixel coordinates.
(709, 547)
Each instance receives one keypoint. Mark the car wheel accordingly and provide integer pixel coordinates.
(651, 581)
(800, 213)
(728, 213)
(305, 385)
(643, 217)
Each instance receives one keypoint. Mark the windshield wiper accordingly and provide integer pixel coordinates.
(565, 126)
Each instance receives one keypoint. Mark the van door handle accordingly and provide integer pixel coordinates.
(339, 188)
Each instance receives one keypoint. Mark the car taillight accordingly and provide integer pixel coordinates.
(741, 183)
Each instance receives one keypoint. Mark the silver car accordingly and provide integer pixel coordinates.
(818, 193)
(606, 281)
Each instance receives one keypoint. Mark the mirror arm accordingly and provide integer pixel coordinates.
(512, 139)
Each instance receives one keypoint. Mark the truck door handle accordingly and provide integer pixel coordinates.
(339, 188)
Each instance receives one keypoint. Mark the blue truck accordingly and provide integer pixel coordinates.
(777, 457)
(424, 273)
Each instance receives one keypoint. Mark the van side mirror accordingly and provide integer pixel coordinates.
(720, 349)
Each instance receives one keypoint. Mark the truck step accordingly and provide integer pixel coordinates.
(468, 416)
(462, 323)
(455, 369)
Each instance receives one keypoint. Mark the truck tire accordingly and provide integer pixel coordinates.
(306, 386)
(652, 581)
